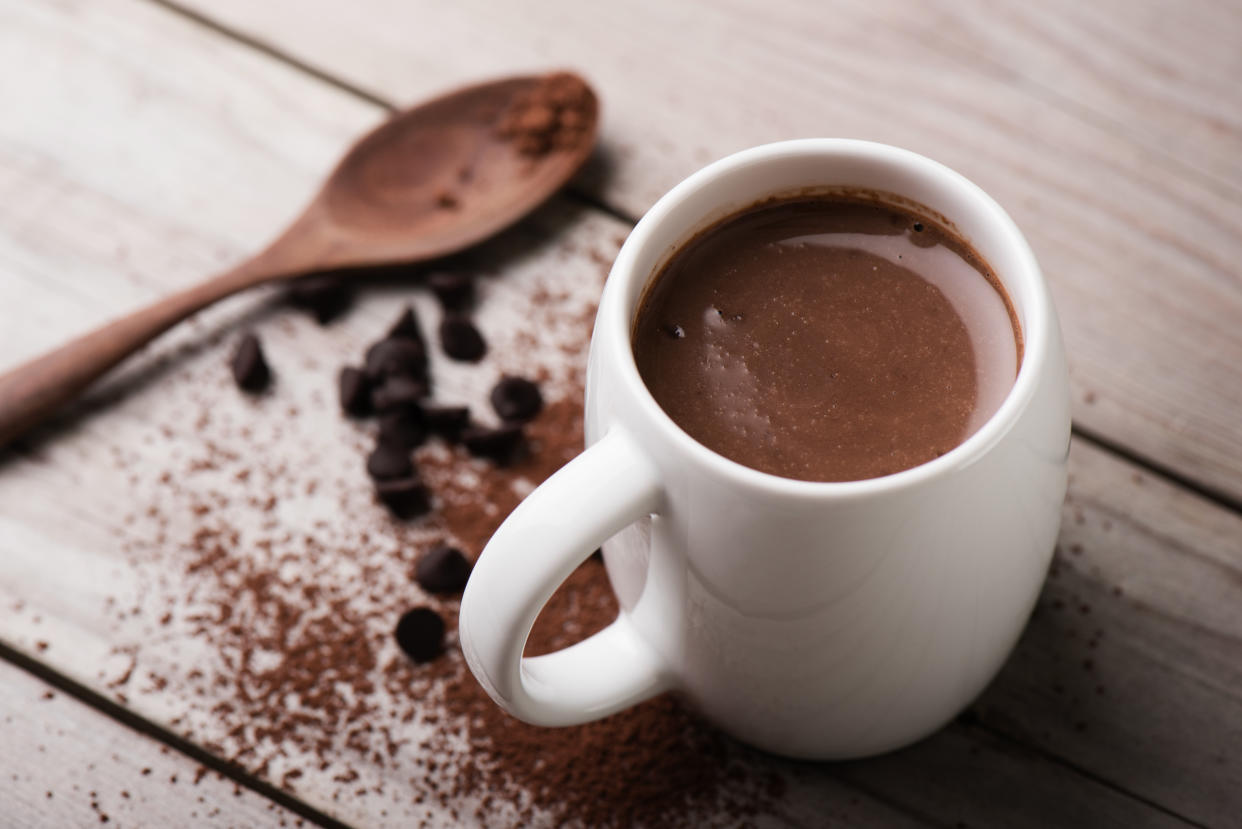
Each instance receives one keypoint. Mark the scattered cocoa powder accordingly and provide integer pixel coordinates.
(308, 668)
(554, 114)
(474, 505)
(655, 765)
(285, 661)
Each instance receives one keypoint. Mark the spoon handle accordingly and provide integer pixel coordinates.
(34, 390)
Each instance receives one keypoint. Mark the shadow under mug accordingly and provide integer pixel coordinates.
(815, 620)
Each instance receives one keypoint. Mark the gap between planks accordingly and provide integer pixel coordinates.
(578, 193)
(120, 714)
(1085, 773)
(845, 775)
(584, 196)
(1207, 493)
(189, 750)
(69, 766)
(1135, 461)
(1047, 93)
(1148, 314)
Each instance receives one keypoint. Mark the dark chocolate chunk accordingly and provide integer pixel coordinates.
(402, 428)
(355, 391)
(396, 356)
(516, 398)
(406, 497)
(324, 295)
(407, 326)
(454, 290)
(442, 569)
(398, 392)
(460, 339)
(250, 370)
(500, 444)
(447, 421)
(389, 461)
(420, 633)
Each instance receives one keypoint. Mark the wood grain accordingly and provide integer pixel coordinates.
(369, 212)
(64, 764)
(1159, 69)
(101, 215)
(92, 534)
(1137, 218)
(1131, 665)
(1128, 673)
(966, 776)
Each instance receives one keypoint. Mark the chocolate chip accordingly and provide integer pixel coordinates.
(454, 290)
(406, 497)
(500, 445)
(324, 295)
(442, 569)
(460, 339)
(398, 392)
(447, 421)
(355, 391)
(389, 461)
(396, 356)
(407, 326)
(516, 398)
(402, 428)
(250, 370)
(420, 633)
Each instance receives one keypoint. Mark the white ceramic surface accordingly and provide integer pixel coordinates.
(818, 620)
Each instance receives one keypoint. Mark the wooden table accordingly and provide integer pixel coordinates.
(145, 143)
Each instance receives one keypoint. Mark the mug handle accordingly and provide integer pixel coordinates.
(586, 502)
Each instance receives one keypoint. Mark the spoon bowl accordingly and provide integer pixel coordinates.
(450, 173)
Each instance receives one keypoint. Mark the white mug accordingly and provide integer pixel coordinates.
(815, 620)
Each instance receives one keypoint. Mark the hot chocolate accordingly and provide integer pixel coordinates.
(828, 338)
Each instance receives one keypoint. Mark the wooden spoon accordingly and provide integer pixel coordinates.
(428, 182)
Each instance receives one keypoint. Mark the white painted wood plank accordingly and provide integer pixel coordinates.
(1141, 249)
(80, 575)
(66, 764)
(1141, 619)
(1162, 729)
(123, 181)
(965, 776)
(1129, 670)
(98, 511)
(1162, 70)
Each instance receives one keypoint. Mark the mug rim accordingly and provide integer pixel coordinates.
(1026, 280)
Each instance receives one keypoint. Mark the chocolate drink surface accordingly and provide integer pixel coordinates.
(828, 338)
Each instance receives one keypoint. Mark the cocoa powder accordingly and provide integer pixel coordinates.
(655, 765)
(276, 584)
(554, 114)
(473, 505)
(307, 669)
